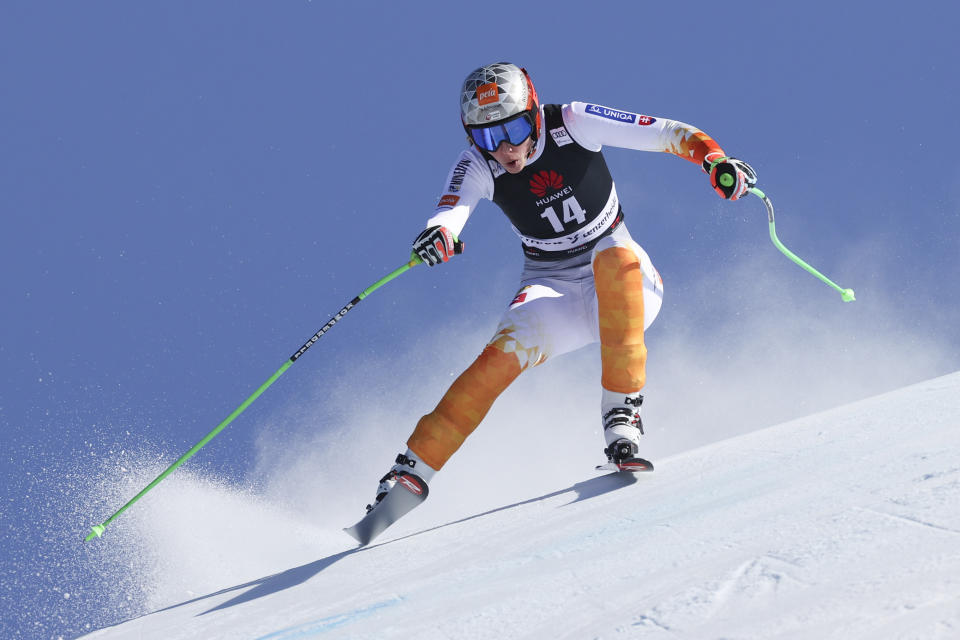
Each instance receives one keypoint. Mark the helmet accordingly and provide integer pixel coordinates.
(498, 92)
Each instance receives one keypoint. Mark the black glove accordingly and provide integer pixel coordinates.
(729, 177)
(435, 245)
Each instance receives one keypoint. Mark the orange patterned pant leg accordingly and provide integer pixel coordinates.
(619, 283)
(440, 433)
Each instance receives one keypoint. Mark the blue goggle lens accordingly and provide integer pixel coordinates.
(513, 131)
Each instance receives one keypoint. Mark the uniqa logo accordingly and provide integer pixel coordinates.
(545, 180)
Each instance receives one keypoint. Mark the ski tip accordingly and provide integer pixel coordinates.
(353, 533)
(410, 491)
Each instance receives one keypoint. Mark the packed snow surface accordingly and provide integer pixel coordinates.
(844, 524)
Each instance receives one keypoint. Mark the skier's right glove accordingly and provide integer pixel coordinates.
(435, 245)
(729, 177)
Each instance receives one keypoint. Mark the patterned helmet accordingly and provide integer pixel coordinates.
(496, 92)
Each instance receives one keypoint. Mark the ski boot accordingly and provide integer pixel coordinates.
(402, 489)
(402, 473)
(622, 428)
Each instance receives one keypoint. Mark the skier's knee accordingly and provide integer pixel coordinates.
(440, 433)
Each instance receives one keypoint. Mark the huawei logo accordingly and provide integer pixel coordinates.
(545, 180)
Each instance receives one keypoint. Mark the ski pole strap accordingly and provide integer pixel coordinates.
(708, 165)
(846, 294)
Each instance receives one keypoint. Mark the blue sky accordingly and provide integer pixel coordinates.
(189, 190)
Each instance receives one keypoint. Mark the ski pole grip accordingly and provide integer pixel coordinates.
(458, 246)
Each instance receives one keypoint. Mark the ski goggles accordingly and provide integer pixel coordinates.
(514, 131)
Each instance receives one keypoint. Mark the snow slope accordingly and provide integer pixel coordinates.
(844, 524)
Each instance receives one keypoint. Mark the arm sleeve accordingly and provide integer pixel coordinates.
(468, 181)
(594, 126)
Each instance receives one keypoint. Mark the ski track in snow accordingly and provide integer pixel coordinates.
(845, 524)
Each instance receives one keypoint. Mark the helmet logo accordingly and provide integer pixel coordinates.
(545, 180)
(487, 93)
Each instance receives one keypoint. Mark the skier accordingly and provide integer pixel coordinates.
(584, 278)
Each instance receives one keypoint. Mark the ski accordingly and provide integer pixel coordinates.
(408, 493)
(630, 465)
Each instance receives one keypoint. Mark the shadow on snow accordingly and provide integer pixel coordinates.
(298, 575)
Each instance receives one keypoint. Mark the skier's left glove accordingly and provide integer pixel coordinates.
(729, 177)
(435, 245)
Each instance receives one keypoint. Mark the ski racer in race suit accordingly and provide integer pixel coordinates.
(584, 279)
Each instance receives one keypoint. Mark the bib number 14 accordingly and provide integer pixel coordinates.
(572, 212)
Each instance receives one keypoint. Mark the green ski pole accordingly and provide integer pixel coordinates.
(97, 530)
(846, 294)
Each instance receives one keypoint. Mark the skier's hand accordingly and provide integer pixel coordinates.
(435, 245)
(729, 177)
